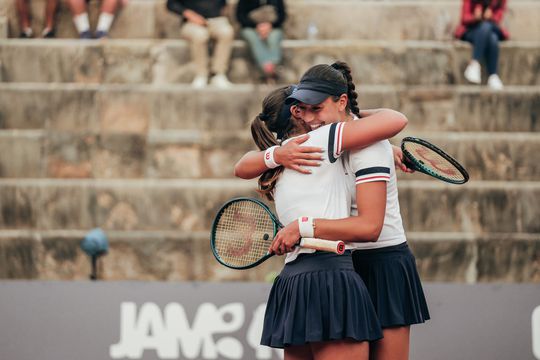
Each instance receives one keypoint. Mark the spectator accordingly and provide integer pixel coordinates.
(204, 19)
(23, 11)
(106, 17)
(261, 22)
(481, 26)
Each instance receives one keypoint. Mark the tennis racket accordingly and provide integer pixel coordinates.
(243, 231)
(427, 158)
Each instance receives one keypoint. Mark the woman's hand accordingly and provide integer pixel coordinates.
(478, 12)
(293, 156)
(286, 239)
(488, 14)
(398, 160)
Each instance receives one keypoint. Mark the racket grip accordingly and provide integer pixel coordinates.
(337, 247)
(408, 163)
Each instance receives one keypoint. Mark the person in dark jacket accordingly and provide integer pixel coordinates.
(204, 19)
(481, 26)
(262, 22)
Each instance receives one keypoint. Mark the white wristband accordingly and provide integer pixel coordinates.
(269, 157)
(305, 225)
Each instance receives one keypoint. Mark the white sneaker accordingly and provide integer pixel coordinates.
(220, 81)
(199, 82)
(472, 72)
(494, 82)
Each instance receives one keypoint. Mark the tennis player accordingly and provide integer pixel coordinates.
(318, 307)
(381, 254)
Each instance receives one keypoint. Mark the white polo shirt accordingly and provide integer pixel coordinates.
(322, 194)
(376, 163)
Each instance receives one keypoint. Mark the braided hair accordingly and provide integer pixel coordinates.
(345, 70)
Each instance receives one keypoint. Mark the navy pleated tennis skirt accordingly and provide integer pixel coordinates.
(393, 283)
(319, 297)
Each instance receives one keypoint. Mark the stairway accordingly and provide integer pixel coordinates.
(110, 134)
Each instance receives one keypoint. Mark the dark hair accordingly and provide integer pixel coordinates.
(338, 73)
(262, 129)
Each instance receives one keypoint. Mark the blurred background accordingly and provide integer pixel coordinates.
(112, 133)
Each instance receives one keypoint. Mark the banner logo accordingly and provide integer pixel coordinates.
(170, 335)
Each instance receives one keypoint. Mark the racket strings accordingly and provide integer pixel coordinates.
(434, 162)
(243, 234)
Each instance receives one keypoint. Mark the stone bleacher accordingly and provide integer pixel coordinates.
(110, 134)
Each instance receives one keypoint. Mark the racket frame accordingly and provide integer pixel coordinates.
(337, 247)
(411, 162)
(276, 222)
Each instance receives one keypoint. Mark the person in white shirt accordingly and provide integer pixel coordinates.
(318, 307)
(382, 258)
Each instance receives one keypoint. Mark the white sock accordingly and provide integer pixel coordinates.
(81, 22)
(104, 22)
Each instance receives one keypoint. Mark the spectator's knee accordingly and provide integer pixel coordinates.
(485, 28)
(493, 39)
(226, 33)
(198, 36)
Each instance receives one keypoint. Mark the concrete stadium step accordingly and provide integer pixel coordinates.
(379, 20)
(187, 205)
(159, 62)
(137, 109)
(194, 154)
(186, 256)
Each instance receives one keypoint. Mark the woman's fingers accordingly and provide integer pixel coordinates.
(308, 162)
(300, 169)
(310, 152)
(300, 139)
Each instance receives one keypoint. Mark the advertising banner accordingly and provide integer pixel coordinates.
(158, 320)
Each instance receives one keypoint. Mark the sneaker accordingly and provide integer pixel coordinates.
(472, 72)
(48, 33)
(494, 82)
(199, 82)
(220, 81)
(26, 33)
(101, 34)
(85, 35)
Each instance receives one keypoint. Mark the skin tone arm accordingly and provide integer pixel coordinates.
(291, 155)
(376, 125)
(194, 17)
(366, 226)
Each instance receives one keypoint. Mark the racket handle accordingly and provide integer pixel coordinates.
(337, 247)
(408, 163)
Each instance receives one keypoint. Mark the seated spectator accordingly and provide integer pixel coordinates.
(106, 17)
(261, 22)
(23, 11)
(481, 26)
(204, 19)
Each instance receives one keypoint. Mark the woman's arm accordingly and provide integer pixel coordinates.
(374, 126)
(499, 12)
(291, 155)
(366, 226)
(468, 16)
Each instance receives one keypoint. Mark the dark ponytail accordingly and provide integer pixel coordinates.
(263, 127)
(345, 70)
